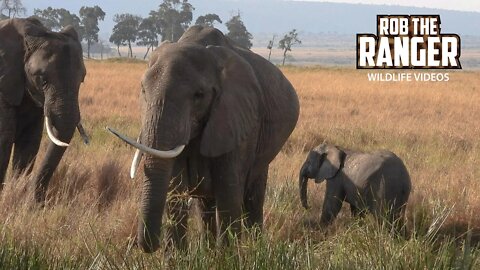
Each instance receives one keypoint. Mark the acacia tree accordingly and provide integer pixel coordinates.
(208, 20)
(89, 19)
(287, 42)
(48, 17)
(148, 34)
(117, 39)
(56, 19)
(126, 29)
(238, 32)
(270, 46)
(172, 18)
(12, 8)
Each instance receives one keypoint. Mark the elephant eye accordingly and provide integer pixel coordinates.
(40, 80)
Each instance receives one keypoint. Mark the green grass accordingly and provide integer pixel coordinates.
(285, 244)
(362, 244)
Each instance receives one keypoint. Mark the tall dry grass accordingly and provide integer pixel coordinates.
(90, 219)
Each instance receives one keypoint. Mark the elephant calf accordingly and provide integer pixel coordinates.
(377, 182)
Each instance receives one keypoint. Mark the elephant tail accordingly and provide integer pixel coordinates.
(302, 182)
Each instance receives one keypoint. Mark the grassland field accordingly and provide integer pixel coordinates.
(331, 53)
(90, 219)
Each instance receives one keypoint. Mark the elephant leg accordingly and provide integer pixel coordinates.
(254, 200)
(178, 215)
(7, 137)
(228, 195)
(356, 211)
(332, 203)
(400, 221)
(27, 141)
(395, 216)
(177, 207)
(353, 210)
(209, 216)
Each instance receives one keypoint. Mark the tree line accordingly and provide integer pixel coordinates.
(168, 22)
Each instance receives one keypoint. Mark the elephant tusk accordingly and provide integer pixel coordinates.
(136, 160)
(147, 150)
(51, 136)
(82, 132)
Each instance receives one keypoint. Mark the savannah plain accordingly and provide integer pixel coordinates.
(90, 219)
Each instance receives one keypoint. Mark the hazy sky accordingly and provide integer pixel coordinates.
(464, 5)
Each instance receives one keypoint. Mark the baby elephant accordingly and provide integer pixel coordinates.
(377, 182)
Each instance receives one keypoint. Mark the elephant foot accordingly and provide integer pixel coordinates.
(312, 224)
(40, 197)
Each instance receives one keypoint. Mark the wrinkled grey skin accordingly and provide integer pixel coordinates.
(234, 111)
(377, 182)
(40, 75)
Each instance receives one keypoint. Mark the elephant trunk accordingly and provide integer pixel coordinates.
(62, 129)
(154, 196)
(303, 182)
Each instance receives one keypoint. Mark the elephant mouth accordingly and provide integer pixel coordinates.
(60, 143)
(143, 149)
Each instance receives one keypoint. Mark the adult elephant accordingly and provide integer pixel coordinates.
(214, 117)
(40, 76)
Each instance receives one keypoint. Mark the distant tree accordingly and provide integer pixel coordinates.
(117, 39)
(89, 20)
(66, 18)
(126, 29)
(238, 32)
(56, 19)
(148, 34)
(208, 20)
(270, 46)
(101, 48)
(287, 42)
(47, 16)
(172, 18)
(13, 8)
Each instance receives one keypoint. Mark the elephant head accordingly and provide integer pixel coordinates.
(48, 68)
(189, 91)
(322, 163)
(54, 70)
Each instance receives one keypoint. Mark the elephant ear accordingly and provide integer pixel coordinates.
(12, 74)
(235, 110)
(34, 37)
(331, 164)
(13, 55)
(12, 82)
(70, 32)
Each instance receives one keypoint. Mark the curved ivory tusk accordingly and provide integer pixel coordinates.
(51, 136)
(82, 132)
(136, 160)
(147, 150)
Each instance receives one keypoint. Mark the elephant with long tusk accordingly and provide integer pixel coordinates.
(58, 142)
(40, 76)
(214, 117)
